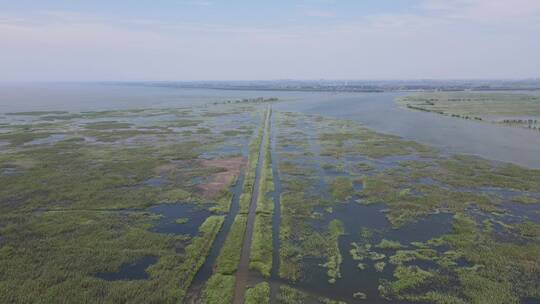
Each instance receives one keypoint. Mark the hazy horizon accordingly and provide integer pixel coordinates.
(322, 80)
(198, 40)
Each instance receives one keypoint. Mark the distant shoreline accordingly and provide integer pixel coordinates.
(356, 87)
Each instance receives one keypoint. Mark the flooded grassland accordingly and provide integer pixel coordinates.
(242, 203)
(507, 109)
(368, 216)
(115, 206)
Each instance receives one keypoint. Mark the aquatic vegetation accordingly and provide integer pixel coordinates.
(506, 109)
(408, 200)
(342, 188)
(227, 261)
(254, 234)
(402, 256)
(299, 197)
(427, 184)
(333, 255)
(223, 203)
(21, 138)
(287, 167)
(219, 289)
(236, 132)
(261, 247)
(107, 125)
(408, 278)
(391, 146)
(294, 210)
(327, 166)
(229, 257)
(253, 159)
(363, 167)
(182, 220)
(359, 295)
(357, 140)
(359, 253)
(176, 195)
(366, 234)
(470, 171)
(478, 288)
(73, 243)
(80, 202)
(68, 185)
(376, 256)
(265, 205)
(36, 113)
(196, 252)
(386, 244)
(329, 301)
(379, 266)
(292, 254)
(289, 295)
(528, 229)
(487, 279)
(260, 294)
(524, 199)
(184, 123)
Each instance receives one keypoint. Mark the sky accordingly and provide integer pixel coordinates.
(183, 40)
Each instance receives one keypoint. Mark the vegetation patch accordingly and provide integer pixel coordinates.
(22, 137)
(229, 256)
(73, 243)
(342, 188)
(386, 244)
(219, 289)
(518, 110)
(107, 125)
(80, 202)
(260, 294)
(333, 254)
(289, 295)
(261, 246)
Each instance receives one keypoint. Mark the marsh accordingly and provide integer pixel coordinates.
(256, 196)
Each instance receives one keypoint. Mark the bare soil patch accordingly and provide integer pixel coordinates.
(231, 169)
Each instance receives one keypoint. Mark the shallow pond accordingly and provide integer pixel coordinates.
(356, 216)
(182, 218)
(130, 271)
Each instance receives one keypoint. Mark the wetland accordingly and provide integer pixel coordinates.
(213, 196)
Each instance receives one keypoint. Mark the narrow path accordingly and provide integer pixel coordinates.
(242, 274)
(276, 220)
(206, 271)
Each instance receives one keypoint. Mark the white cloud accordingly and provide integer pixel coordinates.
(445, 39)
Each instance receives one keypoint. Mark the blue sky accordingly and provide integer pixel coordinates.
(242, 40)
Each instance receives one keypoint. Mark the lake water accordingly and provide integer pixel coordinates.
(375, 110)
